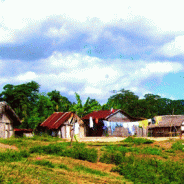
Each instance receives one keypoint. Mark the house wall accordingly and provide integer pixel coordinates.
(123, 132)
(164, 131)
(6, 126)
(28, 134)
(119, 117)
(66, 130)
(2, 130)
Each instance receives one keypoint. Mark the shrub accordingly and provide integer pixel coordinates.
(151, 151)
(62, 166)
(151, 170)
(44, 163)
(178, 146)
(89, 154)
(121, 149)
(11, 156)
(89, 170)
(77, 151)
(138, 141)
(112, 157)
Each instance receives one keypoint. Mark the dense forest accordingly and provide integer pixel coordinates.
(34, 107)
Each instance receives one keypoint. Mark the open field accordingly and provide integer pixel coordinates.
(106, 160)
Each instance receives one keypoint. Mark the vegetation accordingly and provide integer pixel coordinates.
(34, 107)
(178, 145)
(138, 141)
(53, 161)
(77, 151)
(151, 170)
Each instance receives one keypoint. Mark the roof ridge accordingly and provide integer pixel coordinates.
(60, 117)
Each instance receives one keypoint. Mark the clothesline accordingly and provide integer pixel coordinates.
(128, 125)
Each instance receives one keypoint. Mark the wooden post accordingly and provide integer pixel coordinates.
(72, 129)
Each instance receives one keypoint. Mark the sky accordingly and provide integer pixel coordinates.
(94, 47)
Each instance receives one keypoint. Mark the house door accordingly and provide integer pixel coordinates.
(7, 130)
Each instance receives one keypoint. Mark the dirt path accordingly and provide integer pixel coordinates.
(116, 139)
(8, 146)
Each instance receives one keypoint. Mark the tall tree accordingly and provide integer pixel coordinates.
(42, 110)
(21, 98)
(89, 106)
(60, 103)
(123, 99)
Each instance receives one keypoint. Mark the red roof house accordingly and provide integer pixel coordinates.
(114, 115)
(64, 124)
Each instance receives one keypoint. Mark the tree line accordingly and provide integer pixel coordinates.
(33, 107)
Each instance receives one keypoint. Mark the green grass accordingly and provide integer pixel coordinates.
(151, 151)
(151, 170)
(138, 141)
(54, 167)
(81, 168)
(178, 145)
(44, 163)
(77, 151)
(12, 156)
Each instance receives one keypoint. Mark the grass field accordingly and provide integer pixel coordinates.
(53, 160)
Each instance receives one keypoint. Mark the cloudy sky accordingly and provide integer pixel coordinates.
(94, 47)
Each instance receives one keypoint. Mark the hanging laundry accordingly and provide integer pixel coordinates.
(158, 119)
(130, 126)
(76, 128)
(113, 126)
(143, 123)
(106, 123)
(91, 122)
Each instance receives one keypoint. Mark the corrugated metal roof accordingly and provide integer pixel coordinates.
(103, 114)
(56, 120)
(169, 121)
(22, 130)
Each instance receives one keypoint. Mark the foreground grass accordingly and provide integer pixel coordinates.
(49, 160)
(46, 170)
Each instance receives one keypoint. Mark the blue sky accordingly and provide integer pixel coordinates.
(94, 47)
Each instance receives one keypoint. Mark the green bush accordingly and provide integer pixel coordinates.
(151, 170)
(178, 146)
(44, 137)
(138, 141)
(89, 170)
(12, 156)
(151, 151)
(112, 157)
(62, 166)
(121, 149)
(44, 163)
(77, 151)
(83, 153)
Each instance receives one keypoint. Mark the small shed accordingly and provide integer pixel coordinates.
(63, 125)
(8, 120)
(20, 132)
(168, 125)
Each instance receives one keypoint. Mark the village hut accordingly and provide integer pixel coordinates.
(63, 125)
(8, 121)
(168, 125)
(95, 123)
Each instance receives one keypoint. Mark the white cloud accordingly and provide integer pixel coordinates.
(90, 76)
(161, 68)
(91, 90)
(28, 76)
(173, 48)
(25, 16)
